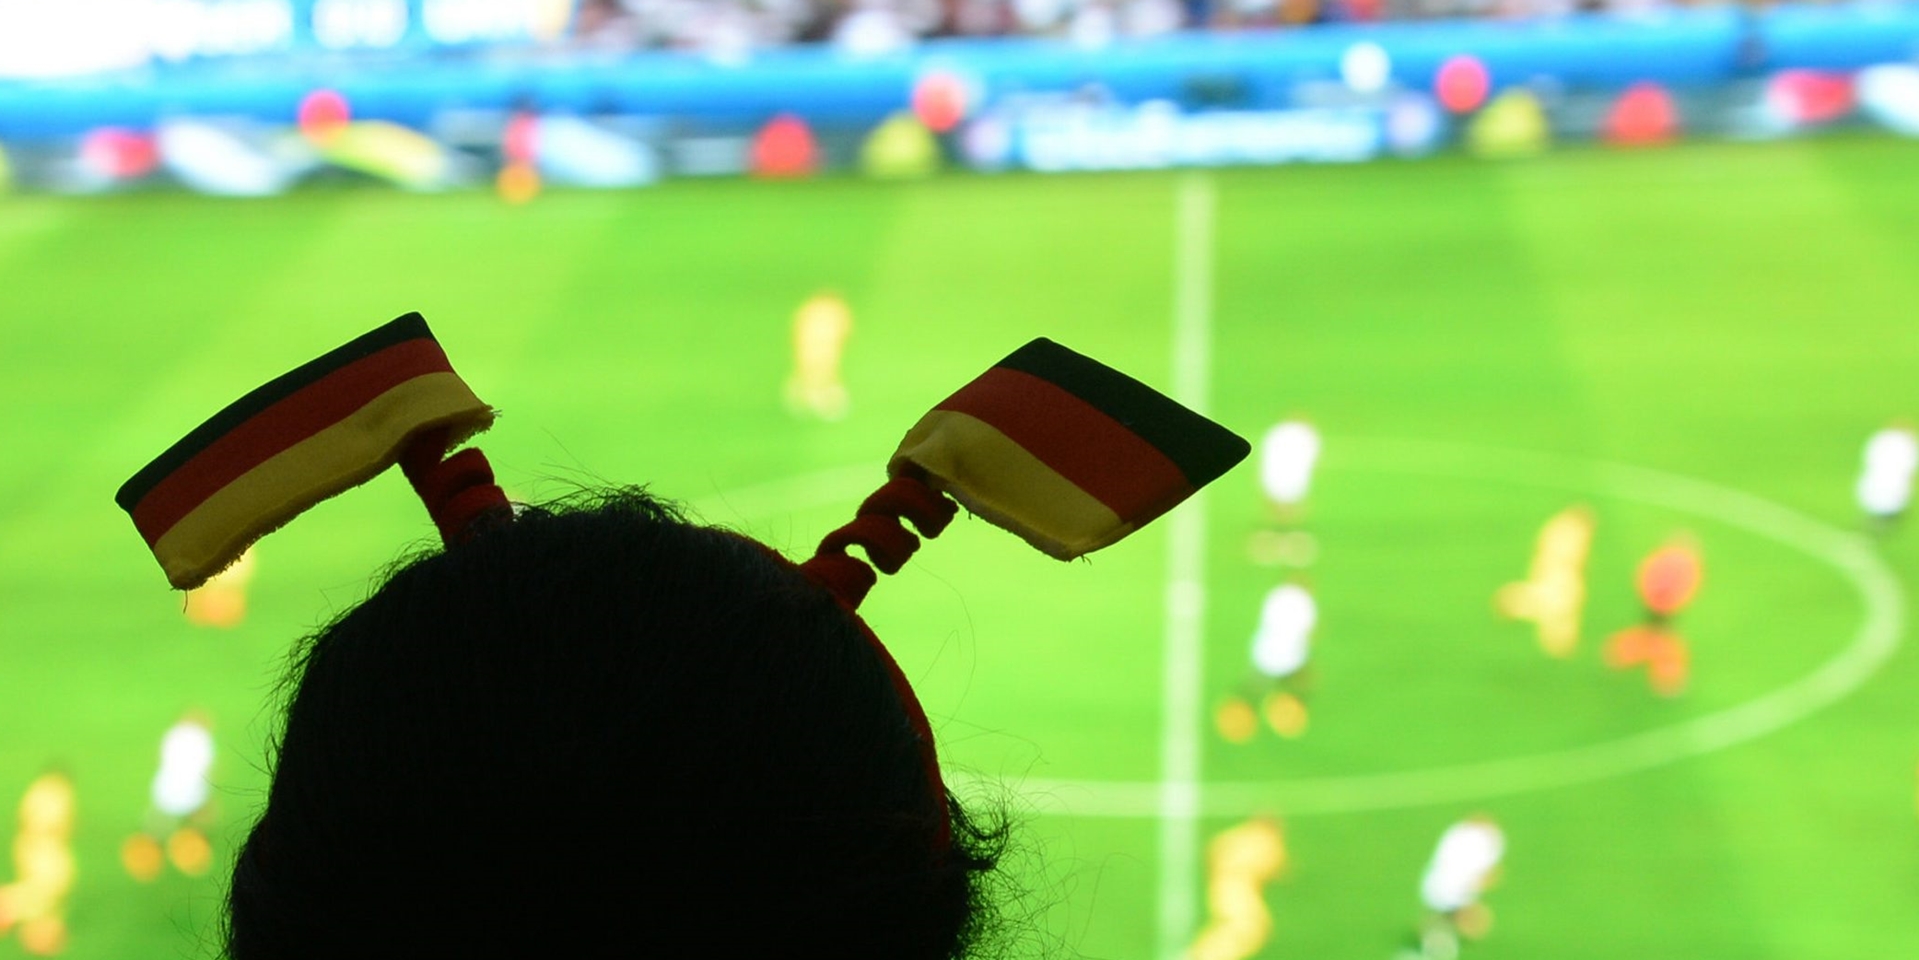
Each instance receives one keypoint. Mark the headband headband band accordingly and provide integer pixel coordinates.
(1057, 448)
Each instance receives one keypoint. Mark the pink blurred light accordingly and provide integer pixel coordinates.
(118, 153)
(1462, 83)
(941, 101)
(322, 113)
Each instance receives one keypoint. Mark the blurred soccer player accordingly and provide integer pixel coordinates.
(1240, 863)
(181, 805)
(1668, 580)
(1282, 647)
(35, 902)
(1287, 455)
(1554, 591)
(222, 601)
(820, 328)
(1885, 481)
(518, 181)
(1463, 867)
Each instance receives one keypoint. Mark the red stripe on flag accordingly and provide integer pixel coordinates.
(308, 411)
(1079, 441)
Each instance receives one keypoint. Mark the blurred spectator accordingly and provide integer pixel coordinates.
(732, 28)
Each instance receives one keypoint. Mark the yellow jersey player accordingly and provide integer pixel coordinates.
(821, 327)
(1240, 863)
(35, 902)
(181, 798)
(1554, 592)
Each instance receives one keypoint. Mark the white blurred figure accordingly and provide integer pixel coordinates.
(74, 37)
(1284, 639)
(1287, 455)
(578, 152)
(1282, 648)
(1041, 17)
(1093, 25)
(1463, 867)
(1885, 481)
(1366, 67)
(1152, 18)
(1889, 93)
(873, 29)
(181, 788)
(224, 161)
(724, 32)
(182, 796)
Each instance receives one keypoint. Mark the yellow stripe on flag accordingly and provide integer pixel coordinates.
(999, 481)
(344, 455)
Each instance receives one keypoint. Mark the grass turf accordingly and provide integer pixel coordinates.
(1736, 313)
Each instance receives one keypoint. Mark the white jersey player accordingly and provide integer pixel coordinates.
(1282, 647)
(182, 796)
(1287, 455)
(1885, 482)
(1463, 866)
(181, 788)
(1284, 639)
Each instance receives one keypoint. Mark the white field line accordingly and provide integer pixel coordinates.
(1178, 796)
(1851, 555)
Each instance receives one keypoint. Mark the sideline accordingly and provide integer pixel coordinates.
(1182, 691)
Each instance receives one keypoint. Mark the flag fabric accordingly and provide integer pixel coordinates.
(327, 426)
(1064, 451)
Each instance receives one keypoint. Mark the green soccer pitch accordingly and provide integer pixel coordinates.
(1698, 339)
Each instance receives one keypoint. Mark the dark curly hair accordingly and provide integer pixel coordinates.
(602, 730)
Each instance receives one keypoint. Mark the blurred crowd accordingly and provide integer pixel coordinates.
(881, 26)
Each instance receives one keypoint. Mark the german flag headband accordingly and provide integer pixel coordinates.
(1069, 454)
(389, 396)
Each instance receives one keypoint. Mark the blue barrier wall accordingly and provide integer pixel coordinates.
(1262, 70)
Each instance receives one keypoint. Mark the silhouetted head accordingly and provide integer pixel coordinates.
(601, 730)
